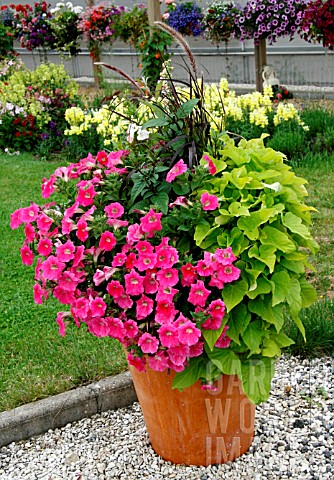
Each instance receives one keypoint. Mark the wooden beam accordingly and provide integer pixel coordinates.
(260, 52)
(153, 11)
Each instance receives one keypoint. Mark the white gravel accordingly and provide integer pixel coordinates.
(294, 439)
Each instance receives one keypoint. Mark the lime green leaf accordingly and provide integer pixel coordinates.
(263, 286)
(195, 370)
(239, 156)
(294, 300)
(297, 267)
(237, 210)
(270, 348)
(211, 336)
(266, 254)
(282, 340)
(264, 310)
(280, 283)
(253, 335)
(201, 231)
(255, 219)
(273, 236)
(307, 292)
(225, 360)
(156, 122)
(234, 294)
(256, 376)
(295, 225)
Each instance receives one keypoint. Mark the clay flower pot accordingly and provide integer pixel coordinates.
(195, 427)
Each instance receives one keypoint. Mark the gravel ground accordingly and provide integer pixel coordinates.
(294, 439)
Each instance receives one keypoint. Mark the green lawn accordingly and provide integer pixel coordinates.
(35, 360)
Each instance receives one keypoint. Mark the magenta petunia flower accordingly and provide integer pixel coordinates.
(52, 268)
(168, 335)
(99, 277)
(118, 260)
(143, 246)
(135, 233)
(39, 294)
(204, 269)
(165, 312)
(216, 281)
(151, 222)
(210, 165)
(168, 277)
(116, 328)
(30, 214)
(130, 261)
(60, 320)
(82, 230)
(134, 283)
(65, 251)
(148, 343)
(115, 289)
(178, 354)
(224, 256)
(123, 301)
(188, 333)
(97, 307)
(198, 293)
(29, 232)
(223, 341)
(48, 186)
(64, 296)
(114, 210)
(196, 350)
(217, 309)
(130, 328)
(78, 255)
(146, 261)
(212, 323)
(44, 222)
(81, 308)
(99, 327)
(209, 202)
(86, 195)
(107, 241)
(166, 294)
(179, 168)
(150, 283)
(189, 274)
(138, 363)
(144, 306)
(228, 273)
(159, 362)
(16, 219)
(68, 281)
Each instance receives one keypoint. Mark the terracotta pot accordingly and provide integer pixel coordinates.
(195, 427)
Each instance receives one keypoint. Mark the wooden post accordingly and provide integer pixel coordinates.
(95, 54)
(260, 51)
(153, 11)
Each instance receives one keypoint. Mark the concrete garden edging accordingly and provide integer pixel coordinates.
(57, 411)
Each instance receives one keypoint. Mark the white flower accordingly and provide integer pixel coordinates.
(276, 186)
(77, 9)
(142, 134)
(131, 132)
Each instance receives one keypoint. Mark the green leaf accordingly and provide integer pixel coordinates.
(181, 188)
(280, 283)
(264, 310)
(294, 300)
(234, 294)
(307, 292)
(238, 321)
(225, 360)
(270, 348)
(137, 189)
(263, 286)
(211, 336)
(253, 335)
(297, 267)
(156, 122)
(256, 376)
(273, 236)
(237, 210)
(266, 254)
(161, 200)
(255, 219)
(295, 225)
(195, 370)
(186, 108)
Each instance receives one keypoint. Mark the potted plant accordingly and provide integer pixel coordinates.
(219, 21)
(317, 23)
(189, 249)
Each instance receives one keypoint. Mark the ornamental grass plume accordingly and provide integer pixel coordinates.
(184, 246)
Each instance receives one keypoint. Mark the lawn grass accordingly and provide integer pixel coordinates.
(35, 360)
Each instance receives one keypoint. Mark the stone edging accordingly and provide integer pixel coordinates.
(57, 411)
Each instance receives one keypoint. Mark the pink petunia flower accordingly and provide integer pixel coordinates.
(217, 309)
(166, 294)
(16, 219)
(198, 293)
(150, 283)
(78, 255)
(223, 341)
(123, 301)
(52, 268)
(165, 312)
(209, 202)
(99, 277)
(204, 269)
(99, 327)
(81, 308)
(216, 281)
(180, 202)
(146, 261)
(44, 222)
(30, 214)
(130, 328)
(82, 230)
(116, 223)
(64, 296)
(138, 363)
(97, 307)
(116, 328)
(68, 281)
(168, 277)
(228, 273)
(168, 335)
(144, 306)
(212, 323)
(114, 210)
(189, 274)
(115, 289)
(224, 256)
(48, 186)
(109, 272)
(188, 333)
(39, 294)
(134, 234)
(179, 354)
(60, 320)
(196, 350)
(210, 165)
(179, 168)
(148, 343)
(151, 222)
(143, 246)
(118, 260)
(65, 251)
(159, 362)
(86, 195)
(107, 241)
(134, 283)
(29, 232)
(130, 261)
